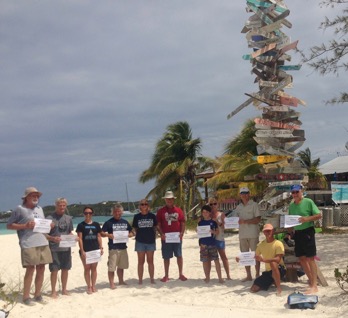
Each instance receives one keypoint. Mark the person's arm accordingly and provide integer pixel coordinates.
(182, 228)
(83, 254)
(100, 242)
(255, 220)
(304, 219)
(275, 259)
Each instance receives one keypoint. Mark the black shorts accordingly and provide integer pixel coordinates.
(305, 242)
(61, 260)
(266, 280)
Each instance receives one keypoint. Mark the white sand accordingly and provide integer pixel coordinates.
(192, 298)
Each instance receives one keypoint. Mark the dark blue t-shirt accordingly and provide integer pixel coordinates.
(208, 240)
(112, 225)
(89, 235)
(145, 226)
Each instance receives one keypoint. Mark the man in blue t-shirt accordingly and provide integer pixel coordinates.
(117, 230)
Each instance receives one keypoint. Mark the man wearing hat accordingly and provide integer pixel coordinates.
(35, 252)
(270, 252)
(249, 219)
(305, 247)
(170, 219)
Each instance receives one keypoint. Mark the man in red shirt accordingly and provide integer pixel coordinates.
(171, 226)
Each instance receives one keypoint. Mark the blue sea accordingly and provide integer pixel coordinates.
(76, 220)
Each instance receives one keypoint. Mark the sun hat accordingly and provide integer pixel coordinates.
(296, 187)
(244, 190)
(169, 195)
(267, 227)
(31, 190)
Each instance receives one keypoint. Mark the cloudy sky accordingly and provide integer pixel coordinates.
(88, 87)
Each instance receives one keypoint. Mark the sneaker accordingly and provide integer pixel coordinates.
(28, 302)
(164, 279)
(182, 278)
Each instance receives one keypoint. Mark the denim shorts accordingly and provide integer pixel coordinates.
(170, 249)
(220, 245)
(144, 247)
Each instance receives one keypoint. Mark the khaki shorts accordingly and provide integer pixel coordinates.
(247, 245)
(36, 256)
(117, 259)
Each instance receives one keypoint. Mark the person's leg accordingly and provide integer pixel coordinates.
(64, 277)
(207, 269)
(276, 276)
(28, 278)
(54, 276)
(39, 278)
(166, 267)
(141, 261)
(306, 268)
(87, 274)
(218, 270)
(225, 263)
(94, 276)
(244, 246)
(120, 272)
(111, 276)
(150, 264)
(313, 283)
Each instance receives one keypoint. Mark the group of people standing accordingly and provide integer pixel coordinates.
(38, 249)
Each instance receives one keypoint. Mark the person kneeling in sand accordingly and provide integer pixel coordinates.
(270, 251)
(208, 248)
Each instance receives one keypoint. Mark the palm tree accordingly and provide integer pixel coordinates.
(316, 180)
(237, 163)
(174, 164)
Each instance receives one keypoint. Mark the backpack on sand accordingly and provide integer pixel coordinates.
(300, 301)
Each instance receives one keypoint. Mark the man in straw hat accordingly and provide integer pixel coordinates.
(249, 219)
(171, 219)
(35, 252)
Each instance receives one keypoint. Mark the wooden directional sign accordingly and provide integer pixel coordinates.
(290, 67)
(287, 100)
(288, 47)
(261, 13)
(275, 124)
(270, 158)
(283, 183)
(279, 133)
(267, 5)
(293, 146)
(281, 108)
(264, 50)
(273, 151)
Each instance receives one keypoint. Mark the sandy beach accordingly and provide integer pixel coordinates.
(193, 298)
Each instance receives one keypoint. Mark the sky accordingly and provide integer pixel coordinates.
(88, 87)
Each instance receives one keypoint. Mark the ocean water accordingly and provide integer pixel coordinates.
(76, 220)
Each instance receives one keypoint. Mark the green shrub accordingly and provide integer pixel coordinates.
(342, 279)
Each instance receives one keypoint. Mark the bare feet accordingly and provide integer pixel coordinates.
(54, 295)
(221, 281)
(279, 292)
(122, 283)
(112, 286)
(207, 280)
(89, 290)
(152, 281)
(94, 289)
(246, 279)
(311, 290)
(66, 293)
(140, 282)
(229, 278)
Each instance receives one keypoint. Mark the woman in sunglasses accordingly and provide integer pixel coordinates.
(144, 224)
(89, 240)
(219, 218)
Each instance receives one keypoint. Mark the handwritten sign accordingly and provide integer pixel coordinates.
(42, 225)
(67, 241)
(93, 257)
(232, 222)
(247, 259)
(120, 237)
(173, 237)
(203, 231)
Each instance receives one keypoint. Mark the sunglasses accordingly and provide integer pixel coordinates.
(292, 192)
(211, 204)
(143, 204)
(87, 213)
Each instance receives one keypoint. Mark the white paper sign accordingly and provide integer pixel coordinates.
(247, 259)
(120, 237)
(203, 231)
(232, 222)
(42, 225)
(67, 241)
(173, 237)
(93, 256)
(291, 220)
